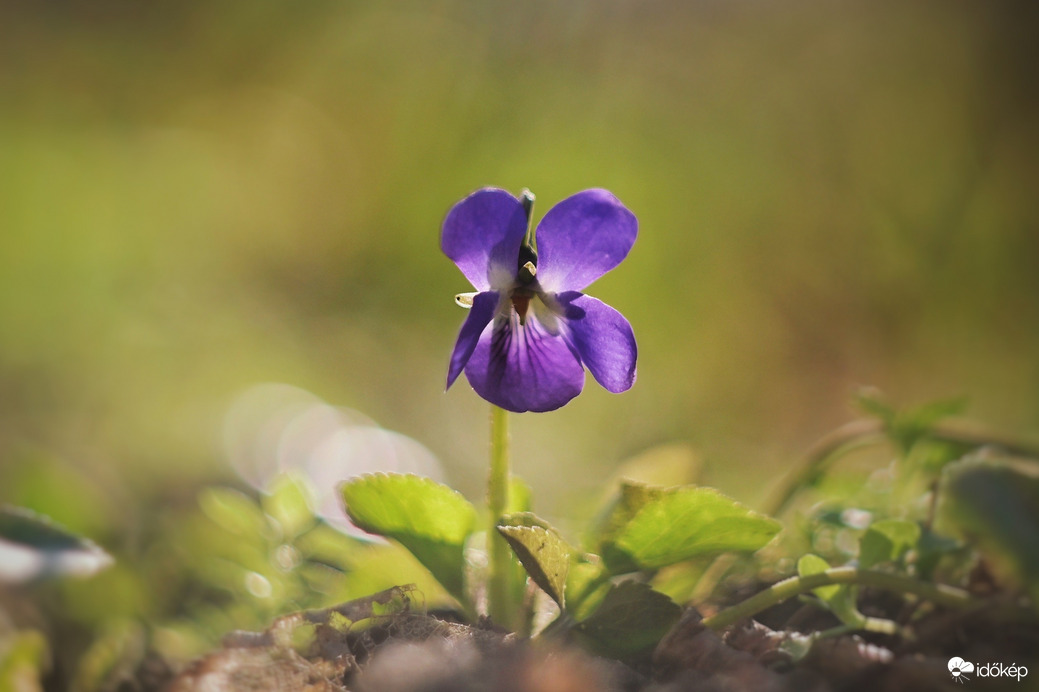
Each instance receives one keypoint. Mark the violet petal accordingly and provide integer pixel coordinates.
(482, 234)
(582, 238)
(524, 367)
(603, 338)
(484, 306)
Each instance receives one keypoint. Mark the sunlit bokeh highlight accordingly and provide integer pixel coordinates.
(273, 429)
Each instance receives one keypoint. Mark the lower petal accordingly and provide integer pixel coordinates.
(603, 338)
(524, 367)
(480, 314)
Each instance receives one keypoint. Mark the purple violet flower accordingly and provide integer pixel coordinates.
(530, 331)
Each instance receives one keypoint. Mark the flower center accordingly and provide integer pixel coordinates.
(526, 282)
(527, 265)
(521, 303)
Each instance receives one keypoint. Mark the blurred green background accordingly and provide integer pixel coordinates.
(197, 197)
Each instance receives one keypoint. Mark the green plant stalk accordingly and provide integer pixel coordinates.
(497, 501)
(866, 624)
(866, 432)
(820, 457)
(941, 594)
(711, 577)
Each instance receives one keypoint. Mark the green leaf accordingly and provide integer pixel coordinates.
(996, 506)
(120, 648)
(651, 528)
(887, 541)
(679, 581)
(810, 564)
(926, 416)
(931, 549)
(24, 660)
(520, 500)
(873, 403)
(840, 600)
(622, 508)
(907, 427)
(290, 503)
(33, 547)
(429, 519)
(631, 619)
(541, 551)
(375, 567)
(586, 585)
(233, 511)
(931, 455)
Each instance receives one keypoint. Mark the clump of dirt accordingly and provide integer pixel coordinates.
(383, 644)
(380, 644)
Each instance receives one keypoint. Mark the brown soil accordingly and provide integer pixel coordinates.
(380, 644)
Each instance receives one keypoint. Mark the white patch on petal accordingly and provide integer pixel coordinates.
(547, 311)
(502, 279)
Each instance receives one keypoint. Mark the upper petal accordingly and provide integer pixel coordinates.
(582, 238)
(482, 234)
(524, 367)
(603, 338)
(480, 314)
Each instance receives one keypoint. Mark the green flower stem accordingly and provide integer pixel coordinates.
(497, 501)
(941, 594)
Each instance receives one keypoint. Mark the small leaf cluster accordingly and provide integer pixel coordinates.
(600, 591)
(953, 498)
